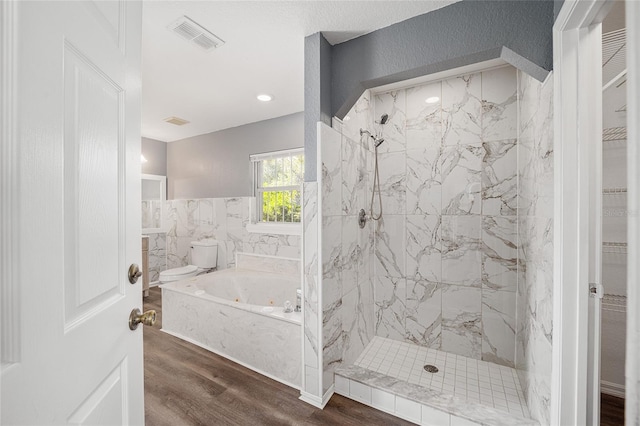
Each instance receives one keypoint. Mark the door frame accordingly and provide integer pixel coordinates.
(577, 118)
(632, 385)
(9, 208)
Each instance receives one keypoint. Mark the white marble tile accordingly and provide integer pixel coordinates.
(394, 105)
(332, 339)
(461, 110)
(424, 181)
(393, 182)
(331, 258)
(390, 311)
(357, 317)
(499, 178)
(461, 168)
(424, 120)
(461, 320)
(311, 282)
(424, 313)
(360, 117)
(424, 257)
(331, 177)
(354, 173)
(461, 250)
(498, 327)
(350, 252)
(500, 252)
(390, 243)
(499, 104)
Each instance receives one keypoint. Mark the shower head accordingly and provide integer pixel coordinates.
(378, 142)
(383, 120)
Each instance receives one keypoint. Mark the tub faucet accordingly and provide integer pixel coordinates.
(298, 300)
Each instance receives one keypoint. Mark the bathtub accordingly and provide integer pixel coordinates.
(238, 314)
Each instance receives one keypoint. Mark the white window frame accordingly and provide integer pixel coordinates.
(257, 226)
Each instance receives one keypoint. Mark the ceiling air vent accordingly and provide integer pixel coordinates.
(177, 121)
(191, 31)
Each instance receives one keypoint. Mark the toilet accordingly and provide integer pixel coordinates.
(204, 257)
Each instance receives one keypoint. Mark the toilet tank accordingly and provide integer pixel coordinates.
(204, 253)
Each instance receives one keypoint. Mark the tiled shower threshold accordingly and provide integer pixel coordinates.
(390, 376)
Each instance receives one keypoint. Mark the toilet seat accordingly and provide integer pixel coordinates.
(176, 274)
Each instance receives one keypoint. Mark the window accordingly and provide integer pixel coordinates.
(277, 180)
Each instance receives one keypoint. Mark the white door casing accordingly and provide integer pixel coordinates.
(68, 354)
(574, 44)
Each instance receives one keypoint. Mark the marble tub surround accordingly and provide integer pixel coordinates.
(225, 220)
(446, 249)
(266, 344)
(535, 229)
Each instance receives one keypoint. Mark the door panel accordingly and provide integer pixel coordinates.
(78, 129)
(93, 170)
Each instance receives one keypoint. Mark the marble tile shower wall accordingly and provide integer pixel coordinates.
(225, 220)
(535, 230)
(347, 250)
(445, 264)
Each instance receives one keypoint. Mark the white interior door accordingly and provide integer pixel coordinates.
(73, 359)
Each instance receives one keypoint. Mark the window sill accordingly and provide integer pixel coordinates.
(272, 228)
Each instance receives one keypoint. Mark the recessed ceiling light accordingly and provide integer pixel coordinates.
(432, 100)
(264, 97)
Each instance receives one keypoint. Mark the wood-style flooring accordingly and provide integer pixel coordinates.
(187, 385)
(611, 410)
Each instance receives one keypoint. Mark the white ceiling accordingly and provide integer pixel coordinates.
(263, 53)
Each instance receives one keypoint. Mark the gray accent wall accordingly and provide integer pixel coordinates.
(467, 32)
(216, 165)
(156, 154)
(317, 94)
(457, 35)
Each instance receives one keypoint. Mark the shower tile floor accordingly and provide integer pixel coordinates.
(474, 380)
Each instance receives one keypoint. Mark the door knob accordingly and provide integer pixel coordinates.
(134, 273)
(146, 318)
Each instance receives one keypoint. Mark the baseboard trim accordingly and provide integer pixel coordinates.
(316, 401)
(612, 389)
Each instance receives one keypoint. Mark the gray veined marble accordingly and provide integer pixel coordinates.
(461, 110)
(424, 181)
(424, 120)
(423, 248)
(461, 168)
(461, 250)
(461, 320)
(393, 182)
(499, 104)
(424, 313)
(394, 105)
(354, 174)
(498, 317)
(390, 246)
(499, 178)
(500, 252)
(390, 310)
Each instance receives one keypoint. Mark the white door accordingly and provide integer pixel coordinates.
(72, 357)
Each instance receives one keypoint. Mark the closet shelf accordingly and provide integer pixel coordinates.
(614, 134)
(614, 247)
(608, 191)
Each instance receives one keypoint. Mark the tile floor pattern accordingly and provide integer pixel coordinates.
(478, 381)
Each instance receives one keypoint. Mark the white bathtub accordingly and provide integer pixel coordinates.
(238, 314)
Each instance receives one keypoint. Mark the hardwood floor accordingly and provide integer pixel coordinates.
(188, 385)
(611, 410)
